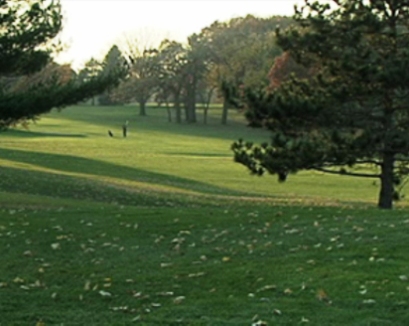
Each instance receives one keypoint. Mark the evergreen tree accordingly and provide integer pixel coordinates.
(354, 111)
(27, 29)
(113, 61)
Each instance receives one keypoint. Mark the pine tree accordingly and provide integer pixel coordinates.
(27, 31)
(354, 111)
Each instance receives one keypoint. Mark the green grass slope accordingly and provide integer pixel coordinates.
(162, 228)
(73, 148)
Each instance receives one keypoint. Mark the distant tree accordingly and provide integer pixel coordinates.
(241, 52)
(193, 73)
(172, 61)
(142, 80)
(27, 31)
(354, 112)
(91, 70)
(205, 92)
(113, 60)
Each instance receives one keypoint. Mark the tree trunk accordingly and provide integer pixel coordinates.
(192, 112)
(191, 105)
(205, 114)
(225, 111)
(178, 109)
(169, 112)
(142, 109)
(386, 193)
(207, 104)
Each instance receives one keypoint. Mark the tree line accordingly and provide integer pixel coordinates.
(240, 51)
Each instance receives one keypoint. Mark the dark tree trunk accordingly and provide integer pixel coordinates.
(142, 108)
(192, 112)
(225, 111)
(169, 112)
(191, 105)
(178, 109)
(205, 114)
(386, 193)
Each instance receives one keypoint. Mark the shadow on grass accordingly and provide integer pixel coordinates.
(32, 134)
(28, 182)
(73, 164)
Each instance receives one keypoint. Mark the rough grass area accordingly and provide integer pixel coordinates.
(162, 228)
(203, 266)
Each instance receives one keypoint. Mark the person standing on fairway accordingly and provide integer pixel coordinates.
(125, 129)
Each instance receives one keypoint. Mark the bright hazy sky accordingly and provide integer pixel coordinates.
(92, 26)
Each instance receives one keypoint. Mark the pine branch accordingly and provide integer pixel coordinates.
(343, 172)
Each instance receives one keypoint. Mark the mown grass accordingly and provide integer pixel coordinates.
(162, 228)
(194, 158)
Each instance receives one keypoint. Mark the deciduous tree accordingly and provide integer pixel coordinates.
(171, 75)
(142, 80)
(241, 51)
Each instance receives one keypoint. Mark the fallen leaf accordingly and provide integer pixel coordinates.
(87, 286)
(178, 299)
(304, 320)
(55, 246)
(18, 280)
(105, 293)
(267, 288)
(288, 291)
(259, 323)
(323, 296)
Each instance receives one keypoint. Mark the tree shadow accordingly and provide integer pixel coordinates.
(35, 134)
(39, 183)
(74, 164)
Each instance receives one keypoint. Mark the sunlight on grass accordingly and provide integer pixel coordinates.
(197, 154)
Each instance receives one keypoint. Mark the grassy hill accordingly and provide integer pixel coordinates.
(73, 148)
(162, 228)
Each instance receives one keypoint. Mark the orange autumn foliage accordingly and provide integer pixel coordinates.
(284, 67)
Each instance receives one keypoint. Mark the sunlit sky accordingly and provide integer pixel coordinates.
(91, 27)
